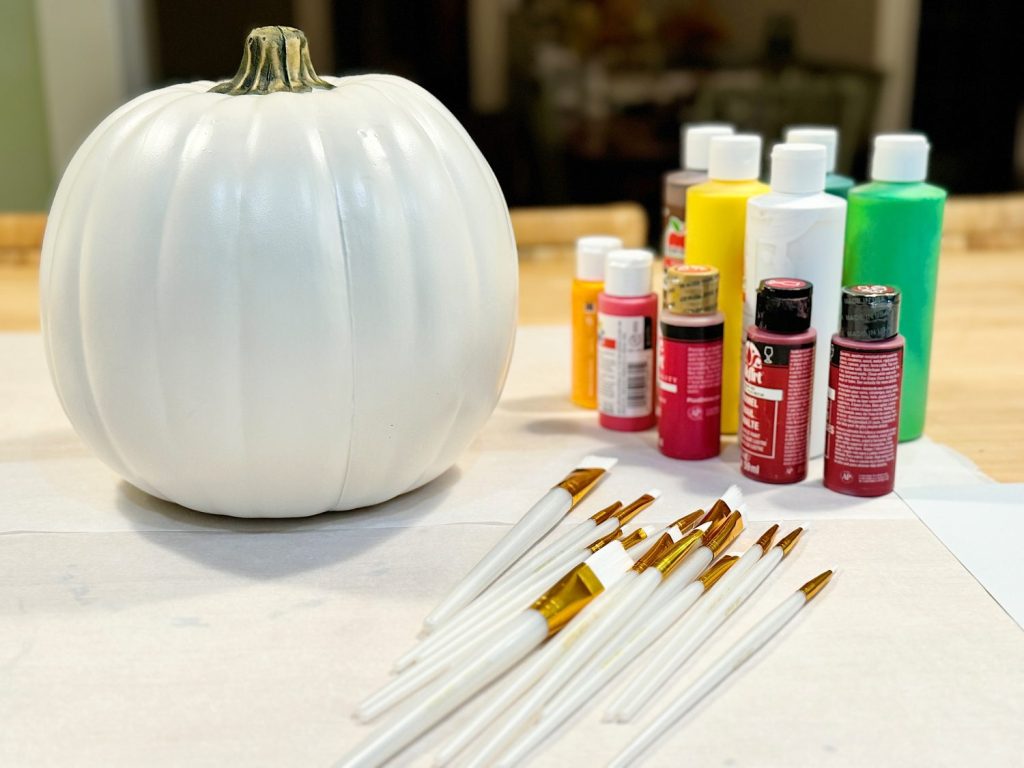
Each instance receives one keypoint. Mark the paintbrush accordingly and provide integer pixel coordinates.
(535, 524)
(728, 663)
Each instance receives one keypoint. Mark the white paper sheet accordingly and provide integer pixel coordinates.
(983, 526)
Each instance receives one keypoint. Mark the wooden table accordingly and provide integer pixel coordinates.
(976, 404)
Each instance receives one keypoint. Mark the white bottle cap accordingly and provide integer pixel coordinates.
(590, 256)
(735, 158)
(900, 157)
(628, 272)
(816, 134)
(798, 169)
(695, 142)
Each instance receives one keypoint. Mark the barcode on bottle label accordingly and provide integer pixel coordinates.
(625, 365)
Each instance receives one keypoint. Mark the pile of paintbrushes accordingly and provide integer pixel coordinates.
(558, 622)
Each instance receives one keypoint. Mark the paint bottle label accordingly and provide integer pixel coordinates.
(862, 420)
(625, 365)
(775, 410)
(690, 391)
(673, 240)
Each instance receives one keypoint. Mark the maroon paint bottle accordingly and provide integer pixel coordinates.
(690, 364)
(778, 377)
(865, 374)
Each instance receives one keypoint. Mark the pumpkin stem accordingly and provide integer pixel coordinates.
(274, 59)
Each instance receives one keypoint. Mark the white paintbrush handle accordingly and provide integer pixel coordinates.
(573, 652)
(511, 689)
(542, 517)
(526, 634)
(674, 655)
(577, 537)
(590, 680)
(454, 635)
(426, 671)
(732, 660)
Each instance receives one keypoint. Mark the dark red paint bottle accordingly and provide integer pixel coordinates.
(864, 379)
(778, 377)
(690, 364)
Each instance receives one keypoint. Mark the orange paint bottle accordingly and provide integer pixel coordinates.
(588, 283)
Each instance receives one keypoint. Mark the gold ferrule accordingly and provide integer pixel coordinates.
(580, 482)
(815, 585)
(634, 538)
(654, 554)
(617, 533)
(716, 570)
(717, 517)
(567, 597)
(788, 542)
(765, 542)
(686, 523)
(726, 533)
(629, 512)
(606, 513)
(719, 509)
(675, 554)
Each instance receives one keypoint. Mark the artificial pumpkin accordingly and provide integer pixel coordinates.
(281, 295)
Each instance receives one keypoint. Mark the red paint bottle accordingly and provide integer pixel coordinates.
(627, 312)
(778, 377)
(690, 364)
(865, 375)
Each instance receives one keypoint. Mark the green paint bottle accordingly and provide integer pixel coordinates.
(828, 137)
(893, 233)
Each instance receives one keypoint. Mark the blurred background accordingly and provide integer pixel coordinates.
(570, 100)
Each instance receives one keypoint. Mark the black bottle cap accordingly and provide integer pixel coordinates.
(870, 312)
(783, 305)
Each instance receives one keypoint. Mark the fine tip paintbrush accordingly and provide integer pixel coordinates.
(535, 524)
(729, 662)
(697, 628)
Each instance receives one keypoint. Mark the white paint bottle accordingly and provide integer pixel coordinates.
(797, 230)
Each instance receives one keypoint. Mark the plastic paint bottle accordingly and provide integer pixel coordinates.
(627, 316)
(694, 143)
(589, 282)
(716, 221)
(893, 233)
(797, 230)
(864, 393)
(828, 137)
(690, 364)
(778, 376)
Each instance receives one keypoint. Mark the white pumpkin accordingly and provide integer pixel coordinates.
(279, 303)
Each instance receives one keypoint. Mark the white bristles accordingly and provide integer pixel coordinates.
(654, 492)
(733, 496)
(597, 462)
(609, 562)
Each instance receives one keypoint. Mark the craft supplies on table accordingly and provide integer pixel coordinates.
(241, 640)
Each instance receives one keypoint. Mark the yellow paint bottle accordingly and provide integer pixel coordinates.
(589, 282)
(716, 217)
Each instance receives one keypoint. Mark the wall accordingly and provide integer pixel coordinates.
(26, 177)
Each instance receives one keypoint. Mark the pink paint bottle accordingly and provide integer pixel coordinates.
(627, 315)
(864, 380)
(690, 364)
(778, 377)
